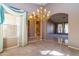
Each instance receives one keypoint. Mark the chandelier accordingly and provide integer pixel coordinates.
(40, 14)
(38, 17)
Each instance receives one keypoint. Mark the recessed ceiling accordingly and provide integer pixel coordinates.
(59, 17)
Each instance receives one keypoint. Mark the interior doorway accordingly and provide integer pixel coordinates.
(57, 28)
(34, 29)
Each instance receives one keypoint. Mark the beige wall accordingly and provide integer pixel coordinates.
(73, 20)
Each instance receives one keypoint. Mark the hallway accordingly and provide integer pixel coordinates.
(41, 48)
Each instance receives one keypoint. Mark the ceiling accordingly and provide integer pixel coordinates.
(42, 4)
(59, 17)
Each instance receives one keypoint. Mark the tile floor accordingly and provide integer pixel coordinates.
(41, 48)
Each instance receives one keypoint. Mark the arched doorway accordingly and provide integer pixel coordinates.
(57, 27)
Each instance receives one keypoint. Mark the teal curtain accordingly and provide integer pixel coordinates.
(1, 14)
(1, 22)
(16, 9)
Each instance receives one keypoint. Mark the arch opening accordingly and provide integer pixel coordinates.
(57, 27)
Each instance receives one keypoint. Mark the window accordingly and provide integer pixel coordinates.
(66, 28)
(60, 28)
(50, 28)
(9, 26)
(10, 19)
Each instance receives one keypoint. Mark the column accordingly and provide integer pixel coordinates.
(63, 27)
(45, 30)
(24, 30)
(41, 29)
(19, 30)
(55, 29)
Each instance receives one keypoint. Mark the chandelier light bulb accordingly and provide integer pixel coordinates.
(41, 14)
(30, 17)
(48, 15)
(44, 10)
(48, 12)
(34, 13)
(41, 8)
(38, 10)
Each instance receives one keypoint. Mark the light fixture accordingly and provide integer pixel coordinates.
(41, 13)
(38, 16)
(30, 17)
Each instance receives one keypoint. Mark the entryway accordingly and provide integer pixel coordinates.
(57, 28)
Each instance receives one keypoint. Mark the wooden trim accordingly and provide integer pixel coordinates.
(73, 47)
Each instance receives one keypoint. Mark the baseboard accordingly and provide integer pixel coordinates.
(73, 47)
(10, 47)
(1, 50)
